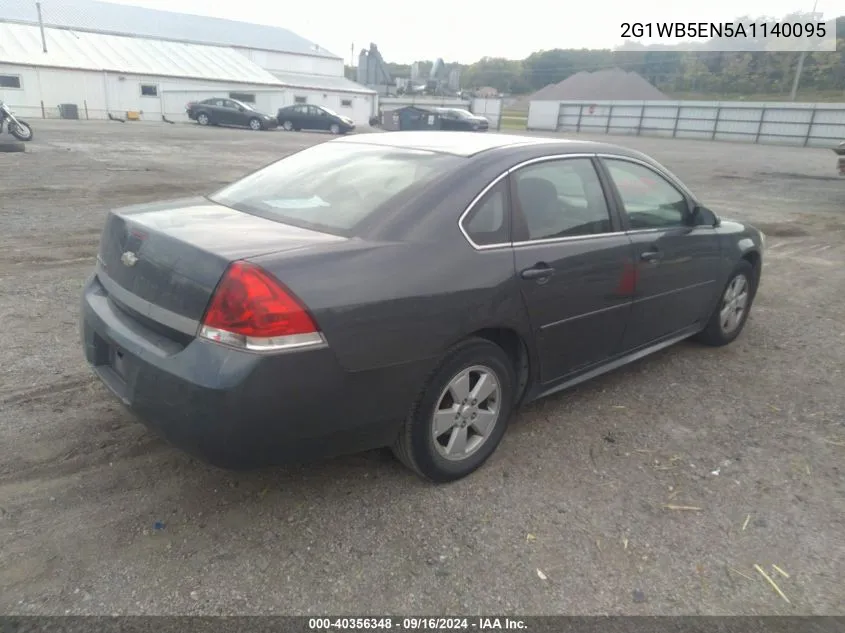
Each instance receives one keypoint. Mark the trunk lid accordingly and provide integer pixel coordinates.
(173, 254)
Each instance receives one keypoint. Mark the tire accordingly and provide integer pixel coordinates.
(22, 133)
(715, 333)
(419, 449)
(287, 125)
(255, 124)
(202, 119)
(11, 147)
(334, 129)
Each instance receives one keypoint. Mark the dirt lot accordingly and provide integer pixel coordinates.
(99, 516)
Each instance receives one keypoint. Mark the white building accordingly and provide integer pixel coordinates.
(112, 59)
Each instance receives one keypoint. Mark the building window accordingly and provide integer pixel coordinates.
(10, 81)
(149, 90)
(243, 97)
(346, 103)
(300, 99)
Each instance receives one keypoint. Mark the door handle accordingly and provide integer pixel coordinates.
(651, 256)
(538, 272)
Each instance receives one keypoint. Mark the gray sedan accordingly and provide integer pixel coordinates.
(404, 289)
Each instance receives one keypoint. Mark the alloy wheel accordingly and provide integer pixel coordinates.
(467, 412)
(734, 304)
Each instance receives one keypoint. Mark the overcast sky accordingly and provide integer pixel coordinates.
(466, 30)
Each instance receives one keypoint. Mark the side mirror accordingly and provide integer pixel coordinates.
(702, 216)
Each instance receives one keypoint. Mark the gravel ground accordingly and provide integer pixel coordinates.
(99, 516)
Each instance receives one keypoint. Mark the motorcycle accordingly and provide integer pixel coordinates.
(17, 128)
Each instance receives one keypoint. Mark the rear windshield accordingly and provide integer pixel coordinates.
(332, 187)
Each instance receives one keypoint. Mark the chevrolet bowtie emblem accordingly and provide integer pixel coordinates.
(129, 258)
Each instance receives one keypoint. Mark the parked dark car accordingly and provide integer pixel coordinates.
(458, 119)
(405, 289)
(312, 117)
(220, 111)
(415, 117)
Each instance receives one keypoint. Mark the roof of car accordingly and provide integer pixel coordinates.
(467, 143)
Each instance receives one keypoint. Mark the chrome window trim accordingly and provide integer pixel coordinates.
(568, 238)
(691, 227)
(508, 172)
(472, 206)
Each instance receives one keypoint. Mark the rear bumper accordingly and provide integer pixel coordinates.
(231, 408)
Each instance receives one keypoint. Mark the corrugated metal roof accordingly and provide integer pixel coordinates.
(21, 44)
(121, 19)
(321, 82)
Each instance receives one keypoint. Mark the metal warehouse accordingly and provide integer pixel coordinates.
(113, 59)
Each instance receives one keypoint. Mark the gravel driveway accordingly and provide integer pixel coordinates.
(580, 511)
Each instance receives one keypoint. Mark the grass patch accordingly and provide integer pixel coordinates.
(514, 120)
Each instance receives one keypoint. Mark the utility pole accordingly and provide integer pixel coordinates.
(801, 59)
(41, 26)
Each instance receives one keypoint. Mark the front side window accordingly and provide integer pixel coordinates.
(561, 198)
(650, 201)
(332, 187)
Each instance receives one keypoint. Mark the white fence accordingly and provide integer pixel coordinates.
(490, 109)
(798, 124)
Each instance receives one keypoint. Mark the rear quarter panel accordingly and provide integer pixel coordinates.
(413, 286)
(390, 304)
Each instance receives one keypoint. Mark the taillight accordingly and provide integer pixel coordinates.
(251, 310)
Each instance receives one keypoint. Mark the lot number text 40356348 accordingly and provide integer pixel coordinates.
(416, 624)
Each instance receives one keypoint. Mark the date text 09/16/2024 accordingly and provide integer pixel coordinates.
(416, 624)
(693, 30)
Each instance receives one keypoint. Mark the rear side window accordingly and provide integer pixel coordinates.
(488, 222)
(332, 187)
(561, 198)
